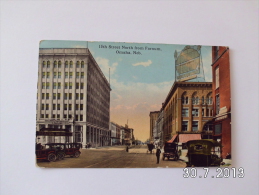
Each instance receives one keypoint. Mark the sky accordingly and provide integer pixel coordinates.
(141, 75)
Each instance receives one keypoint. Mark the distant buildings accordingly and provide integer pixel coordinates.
(153, 117)
(221, 97)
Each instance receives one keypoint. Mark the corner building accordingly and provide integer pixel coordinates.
(188, 112)
(73, 94)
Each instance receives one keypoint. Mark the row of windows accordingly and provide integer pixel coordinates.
(58, 64)
(54, 116)
(195, 112)
(195, 100)
(185, 125)
(57, 85)
(66, 106)
(67, 75)
(66, 96)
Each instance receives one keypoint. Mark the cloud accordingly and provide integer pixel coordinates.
(145, 64)
(105, 66)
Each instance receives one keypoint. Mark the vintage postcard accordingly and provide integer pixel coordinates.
(132, 105)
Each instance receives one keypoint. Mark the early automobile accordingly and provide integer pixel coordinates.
(203, 153)
(170, 151)
(73, 149)
(150, 148)
(45, 154)
(59, 148)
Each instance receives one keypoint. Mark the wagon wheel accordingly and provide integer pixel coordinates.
(77, 154)
(60, 156)
(52, 157)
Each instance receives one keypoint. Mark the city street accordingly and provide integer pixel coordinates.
(113, 157)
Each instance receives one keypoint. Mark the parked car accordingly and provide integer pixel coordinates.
(49, 154)
(170, 151)
(203, 153)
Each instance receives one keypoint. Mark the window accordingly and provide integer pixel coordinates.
(66, 64)
(70, 106)
(48, 64)
(47, 85)
(42, 106)
(59, 64)
(81, 96)
(65, 96)
(54, 75)
(54, 96)
(65, 116)
(82, 75)
(66, 85)
(217, 77)
(42, 116)
(53, 116)
(59, 75)
(48, 75)
(77, 96)
(202, 100)
(54, 85)
(77, 75)
(54, 106)
(47, 96)
(70, 116)
(55, 64)
(82, 64)
(82, 85)
(66, 75)
(77, 85)
(81, 106)
(58, 116)
(47, 106)
(43, 85)
(43, 96)
(71, 64)
(218, 129)
(70, 85)
(70, 96)
(43, 74)
(194, 125)
(77, 108)
(59, 85)
(217, 104)
(78, 134)
(58, 96)
(43, 64)
(184, 125)
(65, 106)
(71, 75)
(81, 117)
(76, 119)
(185, 112)
(195, 112)
(77, 64)
(58, 106)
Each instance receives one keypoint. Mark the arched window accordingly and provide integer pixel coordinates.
(185, 98)
(82, 64)
(71, 64)
(43, 64)
(209, 99)
(48, 64)
(195, 98)
(59, 64)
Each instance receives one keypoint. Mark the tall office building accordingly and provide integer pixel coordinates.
(73, 94)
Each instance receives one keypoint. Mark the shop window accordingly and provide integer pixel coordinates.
(218, 129)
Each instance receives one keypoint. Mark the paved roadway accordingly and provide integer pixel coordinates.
(113, 157)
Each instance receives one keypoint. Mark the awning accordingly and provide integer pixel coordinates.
(171, 140)
(183, 138)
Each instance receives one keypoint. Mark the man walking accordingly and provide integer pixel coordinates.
(158, 151)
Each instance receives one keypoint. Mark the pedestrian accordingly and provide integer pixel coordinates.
(158, 151)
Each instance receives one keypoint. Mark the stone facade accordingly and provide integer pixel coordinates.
(153, 117)
(73, 94)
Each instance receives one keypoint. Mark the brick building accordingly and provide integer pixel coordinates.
(187, 112)
(221, 97)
